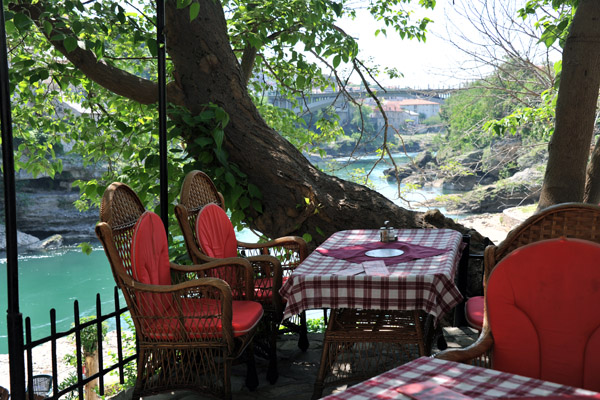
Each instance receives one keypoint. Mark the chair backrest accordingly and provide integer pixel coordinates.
(42, 386)
(136, 245)
(4, 393)
(542, 307)
(197, 191)
(120, 210)
(215, 232)
(572, 220)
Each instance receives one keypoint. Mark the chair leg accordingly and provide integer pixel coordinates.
(251, 374)
(303, 339)
(272, 371)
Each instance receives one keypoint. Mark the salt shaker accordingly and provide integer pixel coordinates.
(391, 234)
(383, 234)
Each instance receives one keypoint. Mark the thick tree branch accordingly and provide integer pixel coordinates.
(112, 78)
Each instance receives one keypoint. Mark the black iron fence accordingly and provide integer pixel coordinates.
(58, 388)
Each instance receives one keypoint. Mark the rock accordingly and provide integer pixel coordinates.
(404, 171)
(422, 159)
(52, 242)
(462, 183)
(23, 239)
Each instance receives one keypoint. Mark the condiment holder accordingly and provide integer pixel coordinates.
(387, 233)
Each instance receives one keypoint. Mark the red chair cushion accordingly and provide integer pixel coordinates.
(474, 312)
(202, 320)
(215, 232)
(150, 251)
(543, 308)
(150, 262)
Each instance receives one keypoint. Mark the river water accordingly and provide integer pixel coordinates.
(55, 279)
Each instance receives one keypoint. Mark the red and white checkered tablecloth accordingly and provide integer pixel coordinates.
(423, 284)
(471, 381)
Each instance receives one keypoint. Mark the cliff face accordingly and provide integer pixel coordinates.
(45, 209)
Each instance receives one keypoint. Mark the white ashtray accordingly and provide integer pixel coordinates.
(382, 253)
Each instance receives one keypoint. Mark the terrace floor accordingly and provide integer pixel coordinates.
(297, 371)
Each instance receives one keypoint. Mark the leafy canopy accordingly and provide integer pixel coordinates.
(62, 115)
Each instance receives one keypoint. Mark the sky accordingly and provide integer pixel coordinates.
(420, 62)
(436, 63)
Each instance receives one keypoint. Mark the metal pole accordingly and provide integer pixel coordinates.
(14, 317)
(162, 112)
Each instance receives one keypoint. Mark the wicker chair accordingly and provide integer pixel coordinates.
(273, 261)
(189, 333)
(4, 394)
(572, 220)
(542, 315)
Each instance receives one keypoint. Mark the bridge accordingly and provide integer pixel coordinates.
(316, 101)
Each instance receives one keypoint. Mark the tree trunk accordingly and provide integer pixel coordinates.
(208, 71)
(592, 183)
(569, 148)
(91, 368)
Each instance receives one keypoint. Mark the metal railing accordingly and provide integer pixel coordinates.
(81, 379)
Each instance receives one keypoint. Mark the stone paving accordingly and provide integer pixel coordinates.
(297, 371)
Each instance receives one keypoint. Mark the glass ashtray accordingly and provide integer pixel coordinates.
(383, 253)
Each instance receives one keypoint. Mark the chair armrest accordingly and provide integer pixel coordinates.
(235, 271)
(159, 311)
(269, 278)
(479, 353)
(289, 250)
(289, 242)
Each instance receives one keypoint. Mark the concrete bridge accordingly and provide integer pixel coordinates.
(316, 101)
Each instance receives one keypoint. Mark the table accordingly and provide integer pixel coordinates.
(377, 322)
(471, 381)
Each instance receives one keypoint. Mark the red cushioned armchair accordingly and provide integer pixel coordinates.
(542, 318)
(209, 235)
(572, 220)
(188, 333)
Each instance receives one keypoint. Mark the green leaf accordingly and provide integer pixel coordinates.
(230, 179)
(152, 47)
(257, 205)
(307, 237)
(244, 202)
(336, 61)
(194, 11)
(218, 135)
(22, 21)
(70, 43)
(254, 191)
(86, 248)
(47, 28)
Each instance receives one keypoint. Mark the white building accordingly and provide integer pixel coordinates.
(425, 107)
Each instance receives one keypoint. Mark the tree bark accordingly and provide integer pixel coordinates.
(592, 183)
(298, 198)
(569, 148)
(91, 368)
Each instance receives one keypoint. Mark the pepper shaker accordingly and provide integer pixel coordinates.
(383, 234)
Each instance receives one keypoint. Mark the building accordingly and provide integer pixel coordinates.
(421, 107)
(397, 115)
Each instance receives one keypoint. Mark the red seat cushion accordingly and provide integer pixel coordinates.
(544, 311)
(215, 232)
(474, 312)
(150, 262)
(202, 320)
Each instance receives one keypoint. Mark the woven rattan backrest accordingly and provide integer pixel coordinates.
(572, 220)
(120, 210)
(197, 191)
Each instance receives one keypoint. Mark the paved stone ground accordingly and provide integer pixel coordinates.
(297, 371)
